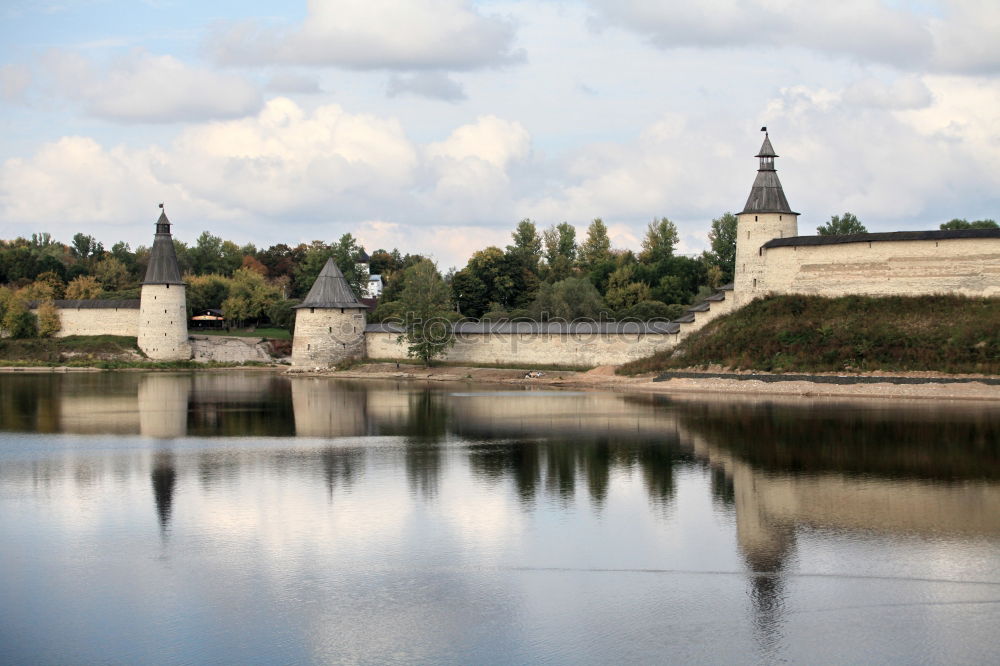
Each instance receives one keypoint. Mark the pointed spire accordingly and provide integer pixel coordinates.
(766, 149)
(330, 290)
(766, 195)
(163, 268)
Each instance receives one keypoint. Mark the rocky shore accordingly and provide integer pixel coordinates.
(914, 385)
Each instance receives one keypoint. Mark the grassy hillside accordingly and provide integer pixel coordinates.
(80, 348)
(952, 334)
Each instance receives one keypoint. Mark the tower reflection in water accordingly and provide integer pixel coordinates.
(776, 467)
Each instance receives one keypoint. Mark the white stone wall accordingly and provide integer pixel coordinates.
(540, 349)
(752, 231)
(228, 349)
(163, 334)
(327, 336)
(968, 266)
(97, 321)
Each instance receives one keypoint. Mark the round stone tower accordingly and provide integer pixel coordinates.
(766, 216)
(329, 323)
(163, 334)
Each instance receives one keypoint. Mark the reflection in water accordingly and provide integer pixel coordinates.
(164, 477)
(341, 467)
(781, 476)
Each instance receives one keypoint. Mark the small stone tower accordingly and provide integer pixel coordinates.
(766, 216)
(329, 323)
(163, 334)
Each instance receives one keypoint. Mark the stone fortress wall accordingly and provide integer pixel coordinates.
(571, 349)
(969, 266)
(97, 318)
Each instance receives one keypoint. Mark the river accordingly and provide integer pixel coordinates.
(249, 517)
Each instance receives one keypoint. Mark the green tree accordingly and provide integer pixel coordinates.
(282, 313)
(250, 297)
(660, 241)
(958, 223)
(527, 247)
(83, 287)
(206, 291)
(497, 271)
(842, 225)
(426, 302)
(523, 259)
(111, 273)
(18, 320)
(560, 251)
(48, 319)
(345, 253)
(206, 255)
(596, 249)
(469, 293)
(86, 247)
(232, 257)
(722, 238)
(649, 310)
(624, 290)
(569, 299)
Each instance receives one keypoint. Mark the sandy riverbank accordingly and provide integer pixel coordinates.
(604, 378)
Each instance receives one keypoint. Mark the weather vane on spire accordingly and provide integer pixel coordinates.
(762, 129)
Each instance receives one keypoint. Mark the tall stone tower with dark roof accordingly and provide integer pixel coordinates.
(163, 334)
(766, 216)
(329, 323)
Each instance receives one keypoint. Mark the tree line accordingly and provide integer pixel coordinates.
(542, 273)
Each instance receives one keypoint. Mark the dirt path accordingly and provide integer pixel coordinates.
(925, 386)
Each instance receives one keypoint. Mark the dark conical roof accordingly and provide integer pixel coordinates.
(766, 195)
(766, 149)
(330, 290)
(163, 268)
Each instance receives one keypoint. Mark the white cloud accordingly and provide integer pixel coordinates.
(289, 82)
(905, 93)
(316, 173)
(962, 38)
(966, 37)
(489, 139)
(142, 87)
(470, 167)
(432, 85)
(75, 180)
(14, 82)
(865, 29)
(375, 34)
(285, 160)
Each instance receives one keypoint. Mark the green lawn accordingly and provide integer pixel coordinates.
(272, 333)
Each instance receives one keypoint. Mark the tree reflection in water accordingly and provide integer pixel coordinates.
(163, 475)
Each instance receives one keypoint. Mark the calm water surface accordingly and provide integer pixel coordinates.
(253, 518)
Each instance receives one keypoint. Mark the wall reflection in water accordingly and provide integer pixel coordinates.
(778, 468)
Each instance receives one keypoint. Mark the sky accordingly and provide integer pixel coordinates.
(435, 126)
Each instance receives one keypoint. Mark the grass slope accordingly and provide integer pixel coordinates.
(47, 351)
(941, 333)
(108, 352)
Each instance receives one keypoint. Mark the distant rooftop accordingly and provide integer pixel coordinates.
(92, 304)
(883, 236)
(549, 327)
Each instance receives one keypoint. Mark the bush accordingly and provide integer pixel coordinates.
(18, 321)
(48, 319)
